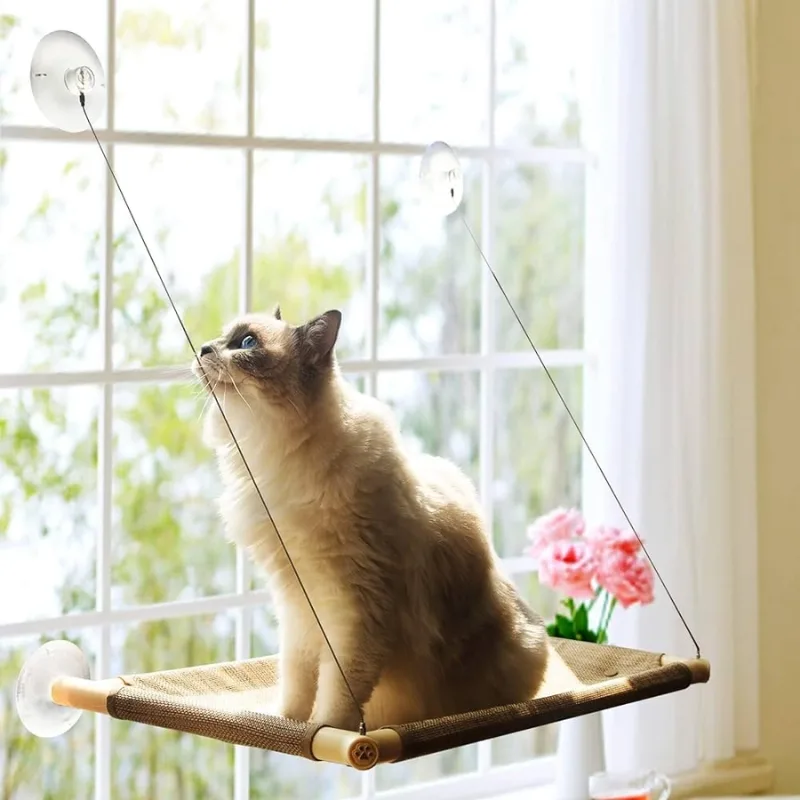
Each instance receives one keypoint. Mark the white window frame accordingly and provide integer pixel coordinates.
(487, 780)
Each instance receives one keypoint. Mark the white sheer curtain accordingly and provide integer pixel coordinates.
(670, 321)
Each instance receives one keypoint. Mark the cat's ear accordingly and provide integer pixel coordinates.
(277, 311)
(319, 335)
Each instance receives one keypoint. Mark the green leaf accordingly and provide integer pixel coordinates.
(552, 629)
(566, 629)
(581, 619)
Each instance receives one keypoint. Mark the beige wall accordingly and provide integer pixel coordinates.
(777, 210)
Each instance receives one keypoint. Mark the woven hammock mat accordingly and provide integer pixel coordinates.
(232, 701)
(582, 678)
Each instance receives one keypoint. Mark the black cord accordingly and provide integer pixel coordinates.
(580, 432)
(362, 725)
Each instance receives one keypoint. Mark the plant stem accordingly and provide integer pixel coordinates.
(602, 613)
(608, 617)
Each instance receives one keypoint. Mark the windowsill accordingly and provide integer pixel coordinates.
(747, 774)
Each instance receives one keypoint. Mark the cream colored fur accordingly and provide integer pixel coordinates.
(390, 546)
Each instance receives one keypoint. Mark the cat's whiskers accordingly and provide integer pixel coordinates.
(241, 438)
(200, 388)
(233, 383)
(208, 395)
(204, 407)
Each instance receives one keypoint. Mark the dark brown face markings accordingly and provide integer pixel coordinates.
(259, 363)
(238, 333)
(286, 363)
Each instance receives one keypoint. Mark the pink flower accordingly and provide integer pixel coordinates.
(605, 538)
(627, 577)
(556, 526)
(568, 567)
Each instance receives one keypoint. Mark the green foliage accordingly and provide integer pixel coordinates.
(7, 23)
(576, 625)
(155, 27)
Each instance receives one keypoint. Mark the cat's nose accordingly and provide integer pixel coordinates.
(205, 350)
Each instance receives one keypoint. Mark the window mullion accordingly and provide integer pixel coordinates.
(373, 260)
(374, 206)
(244, 615)
(105, 433)
(523, 154)
(486, 424)
(373, 271)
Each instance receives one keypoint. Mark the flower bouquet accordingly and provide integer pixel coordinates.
(599, 565)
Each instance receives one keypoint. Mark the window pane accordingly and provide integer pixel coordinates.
(359, 381)
(437, 412)
(538, 452)
(147, 761)
(51, 206)
(43, 768)
(22, 24)
(314, 80)
(180, 66)
(310, 245)
(48, 501)
(264, 640)
(538, 255)
(429, 280)
(537, 741)
(193, 226)
(168, 540)
(540, 45)
(277, 775)
(435, 71)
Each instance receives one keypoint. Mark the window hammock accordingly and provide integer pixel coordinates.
(230, 701)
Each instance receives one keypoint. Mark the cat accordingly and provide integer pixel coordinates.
(390, 545)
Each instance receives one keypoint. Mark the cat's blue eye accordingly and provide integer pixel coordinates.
(248, 342)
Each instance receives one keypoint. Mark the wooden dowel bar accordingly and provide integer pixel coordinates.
(699, 667)
(337, 746)
(85, 694)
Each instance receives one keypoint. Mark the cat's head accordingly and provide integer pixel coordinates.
(262, 358)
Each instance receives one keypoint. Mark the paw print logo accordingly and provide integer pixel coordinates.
(364, 754)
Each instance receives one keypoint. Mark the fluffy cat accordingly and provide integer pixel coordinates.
(390, 545)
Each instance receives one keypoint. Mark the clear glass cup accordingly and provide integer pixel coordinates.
(629, 786)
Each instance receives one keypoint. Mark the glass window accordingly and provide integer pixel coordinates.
(270, 152)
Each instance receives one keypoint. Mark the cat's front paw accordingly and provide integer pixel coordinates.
(346, 719)
(298, 709)
(278, 707)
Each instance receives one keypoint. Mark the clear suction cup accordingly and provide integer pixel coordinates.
(35, 707)
(63, 66)
(441, 179)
